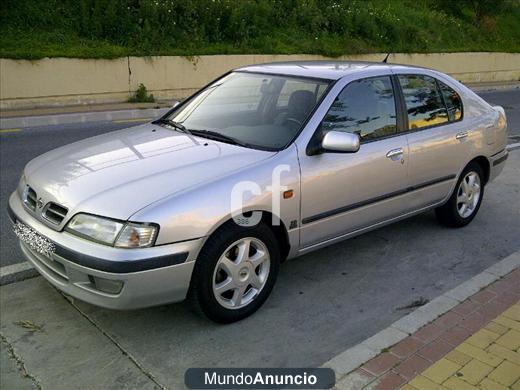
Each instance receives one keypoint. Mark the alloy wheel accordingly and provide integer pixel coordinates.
(468, 194)
(241, 273)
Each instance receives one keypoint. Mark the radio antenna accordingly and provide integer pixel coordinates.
(386, 58)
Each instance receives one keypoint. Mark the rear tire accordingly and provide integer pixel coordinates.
(466, 199)
(229, 284)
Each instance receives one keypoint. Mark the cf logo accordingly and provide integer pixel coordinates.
(39, 203)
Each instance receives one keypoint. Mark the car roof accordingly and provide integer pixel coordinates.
(331, 70)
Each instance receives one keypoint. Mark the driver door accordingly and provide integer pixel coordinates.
(345, 192)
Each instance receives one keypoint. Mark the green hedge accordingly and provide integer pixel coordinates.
(111, 28)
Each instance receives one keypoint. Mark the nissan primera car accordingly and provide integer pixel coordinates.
(264, 164)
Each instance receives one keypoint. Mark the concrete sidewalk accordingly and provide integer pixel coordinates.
(76, 109)
(12, 120)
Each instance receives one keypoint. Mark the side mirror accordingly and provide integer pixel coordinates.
(339, 141)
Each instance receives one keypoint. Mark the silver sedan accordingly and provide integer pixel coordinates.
(264, 164)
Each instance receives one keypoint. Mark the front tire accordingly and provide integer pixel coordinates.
(235, 272)
(466, 199)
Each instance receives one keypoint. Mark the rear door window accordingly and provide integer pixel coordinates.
(424, 103)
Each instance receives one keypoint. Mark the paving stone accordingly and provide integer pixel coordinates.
(483, 296)
(496, 328)
(408, 387)
(479, 354)
(494, 308)
(390, 381)
(503, 286)
(406, 347)
(482, 338)
(506, 373)
(455, 335)
(441, 371)
(474, 371)
(488, 384)
(466, 308)
(449, 319)
(507, 322)
(458, 357)
(423, 383)
(435, 350)
(510, 340)
(458, 384)
(381, 363)
(412, 366)
(474, 322)
(429, 332)
(509, 298)
(498, 350)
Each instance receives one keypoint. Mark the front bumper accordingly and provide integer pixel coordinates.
(110, 277)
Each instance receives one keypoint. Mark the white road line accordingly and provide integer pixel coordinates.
(14, 268)
(513, 146)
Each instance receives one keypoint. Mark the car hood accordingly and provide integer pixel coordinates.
(118, 173)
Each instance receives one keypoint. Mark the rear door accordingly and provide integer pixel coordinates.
(438, 143)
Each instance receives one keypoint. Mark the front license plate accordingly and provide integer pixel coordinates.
(34, 240)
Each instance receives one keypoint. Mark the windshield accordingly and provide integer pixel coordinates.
(255, 110)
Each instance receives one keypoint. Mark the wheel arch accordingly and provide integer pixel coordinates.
(279, 230)
(483, 162)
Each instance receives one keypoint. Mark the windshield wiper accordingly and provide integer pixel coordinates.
(174, 124)
(219, 137)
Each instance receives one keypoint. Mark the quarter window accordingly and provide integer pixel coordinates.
(365, 107)
(453, 102)
(423, 100)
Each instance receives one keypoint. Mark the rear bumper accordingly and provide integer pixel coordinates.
(497, 163)
(110, 277)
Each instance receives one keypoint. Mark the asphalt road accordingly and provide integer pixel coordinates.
(17, 148)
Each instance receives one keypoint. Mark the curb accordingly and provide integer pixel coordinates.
(80, 117)
(346, 362)
(17, 272)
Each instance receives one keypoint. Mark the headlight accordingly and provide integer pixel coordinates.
(98, 229)
(109, 232)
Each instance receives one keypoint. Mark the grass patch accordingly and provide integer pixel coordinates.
(141, 96)
(117, 28)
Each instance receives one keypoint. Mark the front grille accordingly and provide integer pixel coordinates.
(54, 213)
(30, 198)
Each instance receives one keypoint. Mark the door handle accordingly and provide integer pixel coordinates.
(462, 135)
(394, 153)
